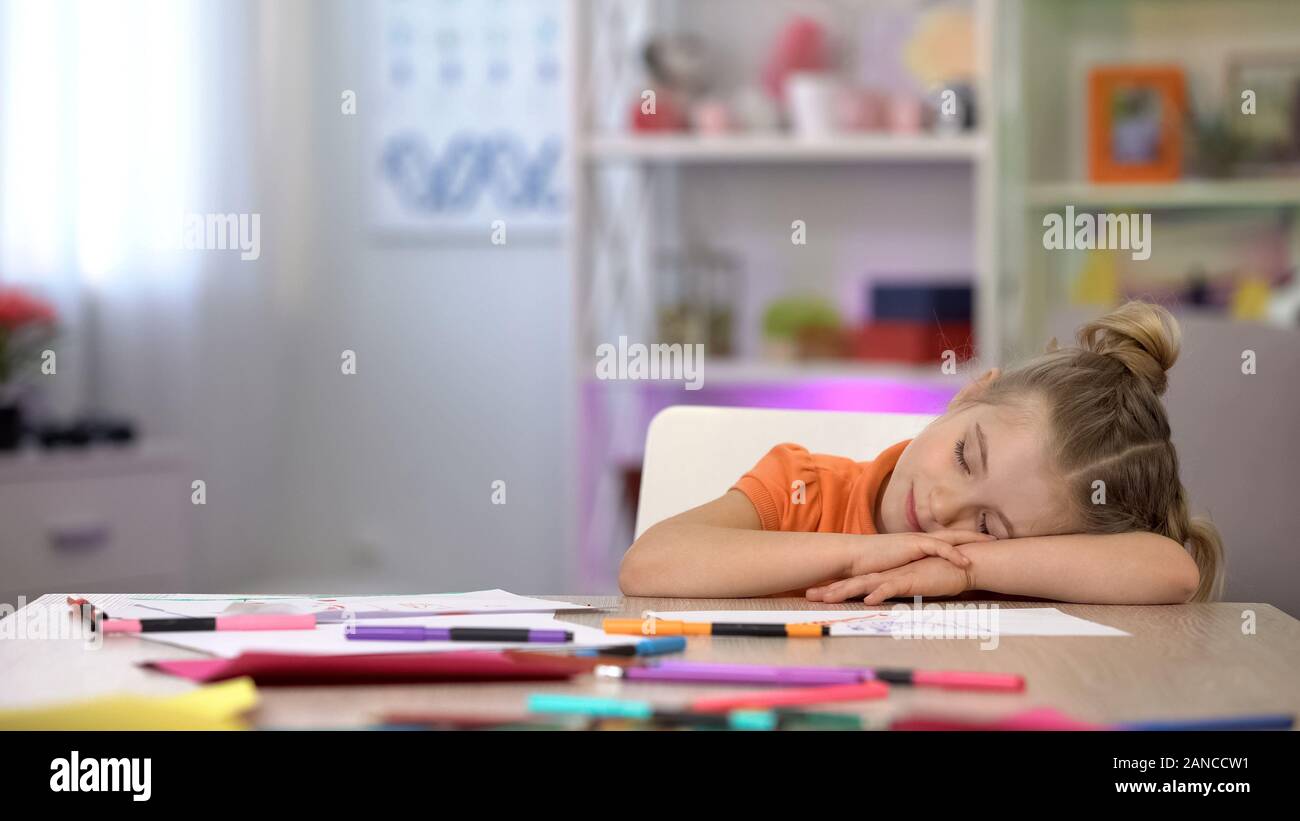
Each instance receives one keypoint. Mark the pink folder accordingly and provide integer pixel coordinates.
(393, 668)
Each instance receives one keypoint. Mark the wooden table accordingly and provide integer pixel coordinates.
(1180, 661)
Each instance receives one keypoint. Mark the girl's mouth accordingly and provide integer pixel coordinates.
(911, 511)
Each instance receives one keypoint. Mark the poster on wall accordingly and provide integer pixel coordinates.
(469, 135)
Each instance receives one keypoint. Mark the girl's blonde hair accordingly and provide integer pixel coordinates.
(1110, 425)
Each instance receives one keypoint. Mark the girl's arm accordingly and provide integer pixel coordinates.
(1120, 568)
(720, 550)
(1123, 568)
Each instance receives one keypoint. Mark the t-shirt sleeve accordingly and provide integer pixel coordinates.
(782, 488)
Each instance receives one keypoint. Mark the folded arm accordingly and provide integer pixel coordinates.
(1121, 568)
(719, 549)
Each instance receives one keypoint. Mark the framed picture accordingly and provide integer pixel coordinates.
(1272, 132)
(1136, 116)
(467, 129)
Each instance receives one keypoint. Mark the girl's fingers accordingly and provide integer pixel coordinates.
(849, 588)
(956, 537)
(937, 547)
(886, 590)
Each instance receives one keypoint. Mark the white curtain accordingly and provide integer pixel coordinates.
(117, 118)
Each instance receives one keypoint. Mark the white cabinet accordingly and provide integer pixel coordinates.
(106, 519)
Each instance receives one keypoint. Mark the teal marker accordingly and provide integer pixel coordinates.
(645, 711)
(657, 646)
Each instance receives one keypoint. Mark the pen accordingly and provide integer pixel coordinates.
(865, 691)
(297, 622)
(645, 647)
(653, 627)
(84, 609)
(417, 633)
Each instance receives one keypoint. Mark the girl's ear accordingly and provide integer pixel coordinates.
(973, 390)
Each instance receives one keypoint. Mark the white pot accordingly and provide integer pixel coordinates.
(813, 98)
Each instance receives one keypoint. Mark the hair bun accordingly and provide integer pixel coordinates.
(1142, 336)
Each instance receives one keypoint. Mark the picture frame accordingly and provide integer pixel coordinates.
(1136, 119)
(1271, 133)
(466, 139)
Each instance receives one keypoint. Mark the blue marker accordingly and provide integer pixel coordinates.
(1260, 722)
(646, 647)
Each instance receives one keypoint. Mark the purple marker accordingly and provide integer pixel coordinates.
(687, 671)
(417, 633)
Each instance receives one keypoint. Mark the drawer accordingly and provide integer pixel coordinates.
(70, 534)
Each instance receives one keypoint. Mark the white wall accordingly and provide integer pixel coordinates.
(463, 367)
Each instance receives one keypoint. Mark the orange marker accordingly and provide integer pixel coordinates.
(663, 627)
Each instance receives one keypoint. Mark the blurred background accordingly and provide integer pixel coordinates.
(307, 295)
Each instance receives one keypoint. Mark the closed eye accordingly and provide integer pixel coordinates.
(960, 453)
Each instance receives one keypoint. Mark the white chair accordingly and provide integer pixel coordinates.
(693, 454)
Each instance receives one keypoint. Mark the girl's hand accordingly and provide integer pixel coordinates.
(931, 576)
(888, 551)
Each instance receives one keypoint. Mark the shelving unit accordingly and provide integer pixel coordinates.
(1046, 51)
(1230, 193)
(784, 148)
(631, 196)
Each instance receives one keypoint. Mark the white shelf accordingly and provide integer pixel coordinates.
(769, 148)
(1270, 193)
(762, 372)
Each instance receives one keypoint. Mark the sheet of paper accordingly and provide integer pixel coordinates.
(952, 621)
(211, 707)
(328, 639)
(327, 608)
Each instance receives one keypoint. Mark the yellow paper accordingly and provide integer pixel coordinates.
(212, 707)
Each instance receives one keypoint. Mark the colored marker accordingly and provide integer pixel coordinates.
(664, 627)
(1259, 722)
(688, 672)
(678, 670)
(286, 622)
(646, 647)
(946, 679)
(417, 633)
(951, 679)
(865, 691)
(645, 711)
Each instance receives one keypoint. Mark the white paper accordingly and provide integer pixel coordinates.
(328, 639)
(326, 608)
(932, 621)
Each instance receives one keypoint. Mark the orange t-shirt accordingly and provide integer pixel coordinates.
(839, 494)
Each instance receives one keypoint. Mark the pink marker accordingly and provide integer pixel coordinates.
(262, 622)
(758, 674)
(862, 691)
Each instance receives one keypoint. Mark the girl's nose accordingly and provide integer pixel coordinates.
(951, 511)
